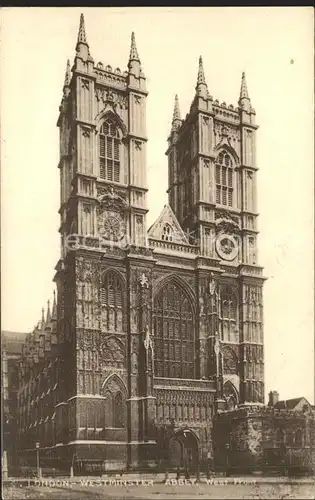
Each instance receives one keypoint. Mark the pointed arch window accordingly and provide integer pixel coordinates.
(167, 233)
(111, 295)
(118, 410)
(114, 409)
(110, 151)
(229, 314)
(224, 179)
(229, 304)
(174, 350)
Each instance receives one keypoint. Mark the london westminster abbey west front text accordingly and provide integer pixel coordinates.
(157, 328)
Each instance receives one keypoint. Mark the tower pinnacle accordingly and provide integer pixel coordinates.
(134, 56)
(244, 100)
(201, 87)
(82, 47)
(54, 307)
(81, 34)
(48, 315)
(42, 322)
(176, 122)
(68, 74)
(244, 91)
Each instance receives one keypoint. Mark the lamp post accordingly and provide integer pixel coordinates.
(227, 447)
(37, 459)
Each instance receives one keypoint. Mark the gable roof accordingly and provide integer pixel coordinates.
(167, 217)
(290, 404)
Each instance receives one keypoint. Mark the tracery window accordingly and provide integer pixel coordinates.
(114, 410)
(224, 179)
(229, 304)
(174, 351)
(229, 314)
(111, 295)
(109, 151)
(167, 233)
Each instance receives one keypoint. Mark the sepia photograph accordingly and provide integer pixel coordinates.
(157, 270)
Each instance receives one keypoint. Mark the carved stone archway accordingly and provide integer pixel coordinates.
(184, 451)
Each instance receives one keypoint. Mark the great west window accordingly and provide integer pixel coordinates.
(174, 352)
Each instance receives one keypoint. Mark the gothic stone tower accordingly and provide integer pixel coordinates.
(104, 270)
(212, 191)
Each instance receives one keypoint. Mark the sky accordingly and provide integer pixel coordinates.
(273, 45)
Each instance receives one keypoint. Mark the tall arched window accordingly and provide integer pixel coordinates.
(229, 314)
(109, 151)
(114, 409)
(111, 295)
(174, 350)
(118, 410)
(167, 232)
(224, 179)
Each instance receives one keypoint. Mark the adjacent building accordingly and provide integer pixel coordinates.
(280, 436)
(11, 349)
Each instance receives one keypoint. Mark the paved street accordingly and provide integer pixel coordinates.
(113, 489)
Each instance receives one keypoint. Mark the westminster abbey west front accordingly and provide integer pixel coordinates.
(156, 329)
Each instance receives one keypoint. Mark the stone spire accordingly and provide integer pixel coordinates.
(82, 47)
(244, 100)
(134, 56)
(134, 64)
(67, 75)
(176, 122)
(81, 34)
(54, 308)
(48, 315)
(201, 87)
(42, 322)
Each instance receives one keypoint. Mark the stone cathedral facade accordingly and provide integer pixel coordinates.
(155, 329)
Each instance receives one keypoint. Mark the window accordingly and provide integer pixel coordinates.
(114, 410)
(167, 233)
(173, 333)
(229, 304)
(109, 151)
(118, 411)
(111, 295)
(224, 180)
(298, 439)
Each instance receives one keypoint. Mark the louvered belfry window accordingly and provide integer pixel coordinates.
(109, 151)
(224, 180)
(174, 352)
(111, 295)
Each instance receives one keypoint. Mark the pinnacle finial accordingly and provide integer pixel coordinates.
(201, 75)
(42, 322)
(67, 75)
(133, 49)
(176, 122)
(201, 87)
(48, 315)
(54, 307)
(81, 34)
(244, 91)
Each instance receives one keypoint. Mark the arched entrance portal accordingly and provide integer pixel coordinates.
(184, 453)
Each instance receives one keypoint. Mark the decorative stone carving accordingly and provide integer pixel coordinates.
(144, 282)
(111, 198)
(118, 100)
(111, 352)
